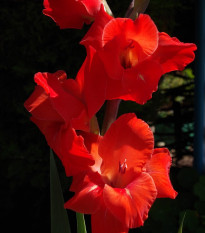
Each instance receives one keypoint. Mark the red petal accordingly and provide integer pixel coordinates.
(141, 82)
(146, 34)
(173, 54)
(110, 57)
(113, 28)
(50, 130)
(91, 142)
(142, 30)
(39, 105)
(78, 182)
(94, 36)
(131, 204)
(71, 14)
(117, 35)
(103, 221)
(61, 97)
(67, 145)
(59, 91)
(92, 6)
(128, 139)
(76, 158)
(158, 167)
(71, 86)
(93, 82)
(80, 121)
(81, 73)
(138, 83)
(88, 199)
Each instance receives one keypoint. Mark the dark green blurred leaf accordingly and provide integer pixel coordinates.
(199, 188)
(187, 177)
(81, 227)
(200, 207)
(59, 217)
(200, 230)
(191, 222)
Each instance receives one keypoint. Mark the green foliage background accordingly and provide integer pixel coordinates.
(31, 42)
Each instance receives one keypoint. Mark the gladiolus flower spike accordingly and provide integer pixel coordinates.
(118, 176)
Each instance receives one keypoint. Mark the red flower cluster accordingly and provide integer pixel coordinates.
(118, 176)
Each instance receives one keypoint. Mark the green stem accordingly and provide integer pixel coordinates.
(81, 227)
(129, 10)
(107, 8)
(111, 111)
(136, 7)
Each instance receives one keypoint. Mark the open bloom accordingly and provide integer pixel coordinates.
(57, 108)
(127, 177)
(134, 55)
(71, 13)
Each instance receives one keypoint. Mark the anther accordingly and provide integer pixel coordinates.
(123, 167)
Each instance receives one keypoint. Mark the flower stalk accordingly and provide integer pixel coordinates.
(107, 8)
(111, 112)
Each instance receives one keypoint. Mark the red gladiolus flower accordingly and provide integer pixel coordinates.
(57, 109)
(71, 13)
(134, 55)
(127, 177)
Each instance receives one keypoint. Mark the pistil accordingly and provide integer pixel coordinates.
(122, 167)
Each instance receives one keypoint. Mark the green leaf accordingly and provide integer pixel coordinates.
(199, 188)
(107, 8)
(59, 217)
(81, 227)
(181, 224)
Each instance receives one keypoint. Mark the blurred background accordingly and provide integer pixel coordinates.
(31, 42)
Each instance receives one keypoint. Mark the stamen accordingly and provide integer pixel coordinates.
(123, 167)
(144, 169)
(128, 56)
